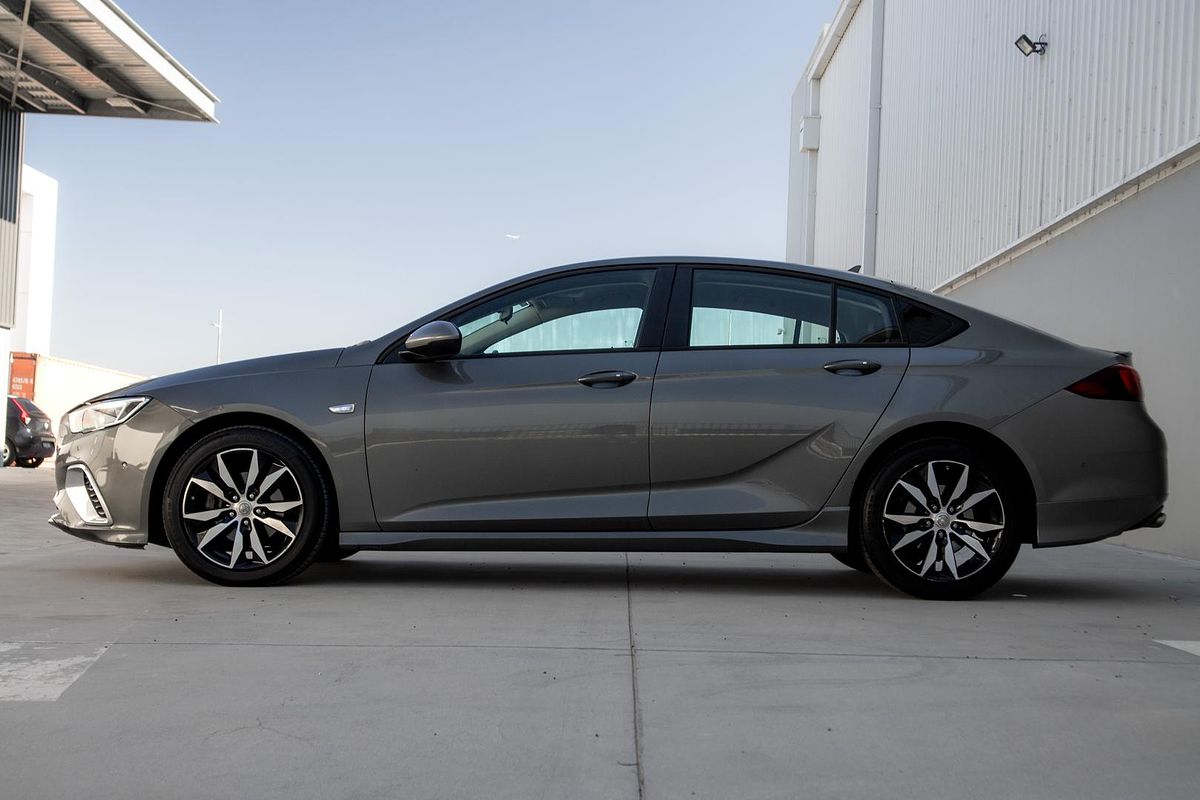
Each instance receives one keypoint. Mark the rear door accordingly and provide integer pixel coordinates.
(540, 423)
(758, 409)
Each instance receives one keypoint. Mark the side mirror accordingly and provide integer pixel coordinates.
(436, 339)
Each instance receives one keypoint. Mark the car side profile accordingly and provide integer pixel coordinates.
(662, 404)
(29, 435)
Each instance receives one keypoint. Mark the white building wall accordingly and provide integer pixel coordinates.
(981, 146)
(38, 226)
(802, 174)
(1099, 283)
(841, 157)
(1061, 190)
(63, 384)
(5, 337)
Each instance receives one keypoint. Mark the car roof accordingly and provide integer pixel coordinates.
(666, 261)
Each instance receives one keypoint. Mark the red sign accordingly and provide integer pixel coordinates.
(23, 375)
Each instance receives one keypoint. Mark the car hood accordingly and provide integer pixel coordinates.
(291, 362)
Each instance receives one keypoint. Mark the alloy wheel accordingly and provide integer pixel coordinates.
(943, 521)
(242, 508)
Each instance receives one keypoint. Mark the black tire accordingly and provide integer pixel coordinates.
(853, 560)
(982, 523)
(247, 534)
(10, 457)
(32, 463)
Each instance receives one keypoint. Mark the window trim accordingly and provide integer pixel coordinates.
(650, 331)
(962, 324)
(679, 322)
(886, 297)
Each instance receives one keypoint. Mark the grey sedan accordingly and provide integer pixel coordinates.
(680, 404)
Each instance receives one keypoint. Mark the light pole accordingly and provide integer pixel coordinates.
(220, 326)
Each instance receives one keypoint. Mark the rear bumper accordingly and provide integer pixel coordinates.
(1098, 467)
(35, 446)
(1082, 521)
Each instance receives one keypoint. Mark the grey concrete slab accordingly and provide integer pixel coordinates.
(1095, 601)
(756, 676)
(204, 721)
(722, 725)
(374, 598)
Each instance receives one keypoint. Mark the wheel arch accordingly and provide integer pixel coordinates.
(219, 422)
(958, 431)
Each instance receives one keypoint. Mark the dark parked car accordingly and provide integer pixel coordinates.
(29, 437)
(643, 404)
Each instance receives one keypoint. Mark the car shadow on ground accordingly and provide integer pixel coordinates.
(797, 575)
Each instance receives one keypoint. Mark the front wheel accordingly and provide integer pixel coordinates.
(246, 506)
(941, 520)
(32, 463)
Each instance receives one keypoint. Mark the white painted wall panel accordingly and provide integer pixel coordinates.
(37, 224)
(61, 384)
(5, 367)
(801, 169)
(1082, 285)
(842, 156)
(981, 146)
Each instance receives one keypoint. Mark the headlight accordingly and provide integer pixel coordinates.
(104, 414)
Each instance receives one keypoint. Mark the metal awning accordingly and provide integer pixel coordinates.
(88, 57)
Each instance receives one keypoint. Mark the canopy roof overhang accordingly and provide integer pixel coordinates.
(88, 57)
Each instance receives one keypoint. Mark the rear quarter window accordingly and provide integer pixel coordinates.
(923, 326)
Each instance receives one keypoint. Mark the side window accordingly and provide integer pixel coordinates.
(732, 308)
(593, 311)
(924, 326)
(865, 318)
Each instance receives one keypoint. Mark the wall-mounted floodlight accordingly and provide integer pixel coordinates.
(1028, 46)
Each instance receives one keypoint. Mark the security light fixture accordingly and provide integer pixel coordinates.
(1028, 46)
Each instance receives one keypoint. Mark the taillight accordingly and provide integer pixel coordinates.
(23, 414)
(1118, 382)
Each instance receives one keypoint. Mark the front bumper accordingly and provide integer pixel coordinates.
(101, 535)
(104, 478)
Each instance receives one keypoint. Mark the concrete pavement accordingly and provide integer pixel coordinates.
(586, 676)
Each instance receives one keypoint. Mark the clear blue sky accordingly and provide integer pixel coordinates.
(372, 156)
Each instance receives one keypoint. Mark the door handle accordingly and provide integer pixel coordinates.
(608, 379)
(852, 367)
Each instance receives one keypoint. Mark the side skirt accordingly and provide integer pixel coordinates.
(824, 533)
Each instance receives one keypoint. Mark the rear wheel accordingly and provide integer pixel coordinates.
(246, 506)
(9, 450)
(32, 463)
(942, 520)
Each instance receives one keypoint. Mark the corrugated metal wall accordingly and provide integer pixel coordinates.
(12, 129)
(842, 157)
(981, 146)
(800, 164)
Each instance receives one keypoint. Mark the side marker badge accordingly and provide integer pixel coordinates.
(344, 408)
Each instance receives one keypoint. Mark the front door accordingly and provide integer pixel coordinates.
(540, 423)
(757, 413)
